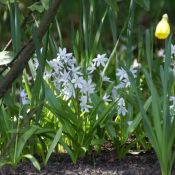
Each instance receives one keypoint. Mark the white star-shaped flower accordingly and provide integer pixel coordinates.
(100, 60)
(65, 77)
(106, 98)
(88, 87)
(75, 71)
(83, 104)
(92, 68)
(104, 77)
(63, 53)
(56, 64)
(121, 73)
(78, 82)
(68, 91)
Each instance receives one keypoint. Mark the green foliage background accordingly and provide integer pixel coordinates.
(87, 28)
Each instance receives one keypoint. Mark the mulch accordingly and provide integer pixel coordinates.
(103, 163)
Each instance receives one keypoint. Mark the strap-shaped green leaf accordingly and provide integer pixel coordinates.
(53, 144)
(33, 160)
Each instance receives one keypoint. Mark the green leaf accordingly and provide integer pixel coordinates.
(98, 141)
(111, 130)
(138, 118)
(2, 164)
(60, 107)
(23, 139)
(144, 3)
(38, 89)
(15, 25)
(53, 145)
(6, 57)
(147, 123)
(105, 115)
(149, 55)
(69, 151)
(36, 7)
(156, 106)
(5, 122)
(7, 1)
(113, 5)
(45, 3)
(33, 160)
(98, 34)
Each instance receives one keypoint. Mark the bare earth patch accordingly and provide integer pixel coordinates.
(103, 163)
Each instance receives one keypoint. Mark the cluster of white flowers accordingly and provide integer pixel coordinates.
(71, 82)
(47, 74)
(69, 79)
(121, 106)
(122, 75)
(124, 78)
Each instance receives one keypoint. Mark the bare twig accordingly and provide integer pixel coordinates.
(8, 45)
(29, 49)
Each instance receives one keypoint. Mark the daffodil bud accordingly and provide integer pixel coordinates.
(163, 28)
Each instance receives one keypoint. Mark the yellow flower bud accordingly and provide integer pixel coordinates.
(163, 28)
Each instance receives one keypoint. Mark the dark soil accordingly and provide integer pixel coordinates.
(104, 163)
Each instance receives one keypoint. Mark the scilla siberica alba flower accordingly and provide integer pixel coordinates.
(163, 28)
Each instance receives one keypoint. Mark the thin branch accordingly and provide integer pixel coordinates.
(8, 45)
(29, 49)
